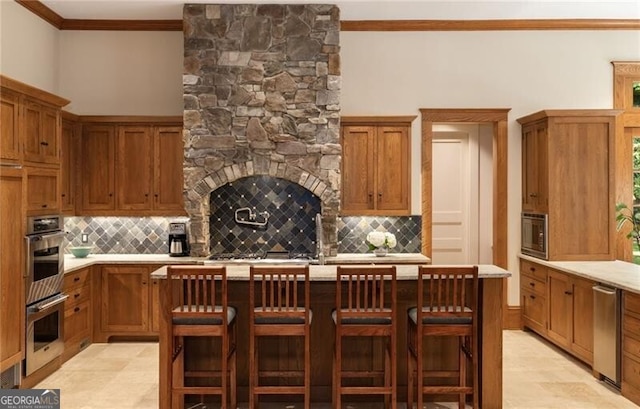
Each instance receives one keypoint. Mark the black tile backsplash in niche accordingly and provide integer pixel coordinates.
(290, 225)
(353, 230)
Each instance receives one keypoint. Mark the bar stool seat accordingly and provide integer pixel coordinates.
(198, 308)
(446, 306)
(366, 307)
(279, 307)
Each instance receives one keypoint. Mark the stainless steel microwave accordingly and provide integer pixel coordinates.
(534, 235)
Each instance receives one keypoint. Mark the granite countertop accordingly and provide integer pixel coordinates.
(71, 263)
(328, 272)
(618, 274)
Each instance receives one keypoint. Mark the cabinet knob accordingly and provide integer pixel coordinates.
(532, 269)
(44, 205)
(76, 279)
(568, 292)
(144, 283)
(532, 284)
(44, 143)
(76, 295)
(110, 194)
(533, 195)
(76, 309)
(533, 297)
(63, 195)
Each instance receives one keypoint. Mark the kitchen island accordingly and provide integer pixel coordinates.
(322, 302)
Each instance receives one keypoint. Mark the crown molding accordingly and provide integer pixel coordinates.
(48, 15)
(489, 25)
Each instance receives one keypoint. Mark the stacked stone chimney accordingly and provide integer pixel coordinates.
(261, 97)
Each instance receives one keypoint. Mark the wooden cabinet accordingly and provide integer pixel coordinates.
(376, 166)
(98, 154)
(10, 142)
(12, 268)
(69, 145)
(41, 133)
(77, 312)
(128, 302)
(568, 172)
(558, 306)
(138, 171)
(43, 190)
(533, 296)
(535, 168)
(631, 347)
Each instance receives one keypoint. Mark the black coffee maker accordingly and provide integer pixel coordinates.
(178, 240)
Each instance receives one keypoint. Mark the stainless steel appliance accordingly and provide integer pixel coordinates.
(534, 235)
(44, 298)
(606, 333)
(178, 240)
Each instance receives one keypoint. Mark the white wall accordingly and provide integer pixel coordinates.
(122, 73)
(28, 48)
(385, 73)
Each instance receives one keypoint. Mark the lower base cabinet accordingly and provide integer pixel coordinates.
(631, 347)
(558, 306)
(77, 312)
(127, 300)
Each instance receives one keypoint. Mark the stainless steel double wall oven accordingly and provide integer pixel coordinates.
(43, 286)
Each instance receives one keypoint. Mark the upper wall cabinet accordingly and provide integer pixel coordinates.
(376, 165)
(30, 129)
(131, 169)
(568, 172)
(69, 145)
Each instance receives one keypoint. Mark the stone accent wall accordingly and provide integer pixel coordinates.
(261, 97)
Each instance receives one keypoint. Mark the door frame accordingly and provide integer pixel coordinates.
(498, 118)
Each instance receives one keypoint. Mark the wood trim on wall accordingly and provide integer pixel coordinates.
(132, 119)
(380, 120)
(48, 15)
(489, 25)
(32, 91)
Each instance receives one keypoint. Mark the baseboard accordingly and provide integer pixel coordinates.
(512, 318)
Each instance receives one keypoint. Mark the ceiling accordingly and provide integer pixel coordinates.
(366, 10)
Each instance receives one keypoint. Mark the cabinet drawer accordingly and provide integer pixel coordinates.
(77, 321)
(533, 270)
(77, 295)
(632, 302)
(77, 279)
(534, 311)
(631, 325)
(631, 346)
(534, 285)
(631, 371)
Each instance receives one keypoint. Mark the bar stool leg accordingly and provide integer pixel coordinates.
(462, 358)
(387, 373)
(177, 399)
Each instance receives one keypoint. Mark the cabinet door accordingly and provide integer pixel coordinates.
(357, 169)
(43, 190)
(50, 137)
(12, 269)
(134, 172)
(68, 158)
(582, 342)
(392, 169)
(10, 151)
(32, 123)
(98, 167)
(125, 299)
(534, 168)
(560, 309)
(534, 310)
(155, 306)
(168, 164)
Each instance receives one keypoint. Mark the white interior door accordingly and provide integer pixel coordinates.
(451, 197)
(462, 199)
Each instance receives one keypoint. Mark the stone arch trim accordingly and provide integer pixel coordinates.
(197, 197)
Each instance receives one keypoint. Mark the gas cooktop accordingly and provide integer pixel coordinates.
(267, 257)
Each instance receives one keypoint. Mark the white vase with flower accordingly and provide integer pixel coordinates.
(380, 242)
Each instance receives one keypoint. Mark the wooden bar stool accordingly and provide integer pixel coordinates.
(366, 307)
(199, 309)
(447, 305)
(279, 307)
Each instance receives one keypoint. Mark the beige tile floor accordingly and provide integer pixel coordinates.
(536, 376)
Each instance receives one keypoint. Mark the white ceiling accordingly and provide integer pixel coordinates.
(366, 10)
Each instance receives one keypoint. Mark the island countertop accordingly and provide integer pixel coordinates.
(328, 272)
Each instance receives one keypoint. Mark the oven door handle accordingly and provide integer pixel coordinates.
(35, 238)
(51, 303)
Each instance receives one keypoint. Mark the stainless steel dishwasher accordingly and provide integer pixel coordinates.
(606, 333)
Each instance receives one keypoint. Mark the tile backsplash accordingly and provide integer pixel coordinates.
(148, 235)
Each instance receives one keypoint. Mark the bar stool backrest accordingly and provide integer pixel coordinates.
(198, 294)
(279, 291)
(365, 291)
(448, 292)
